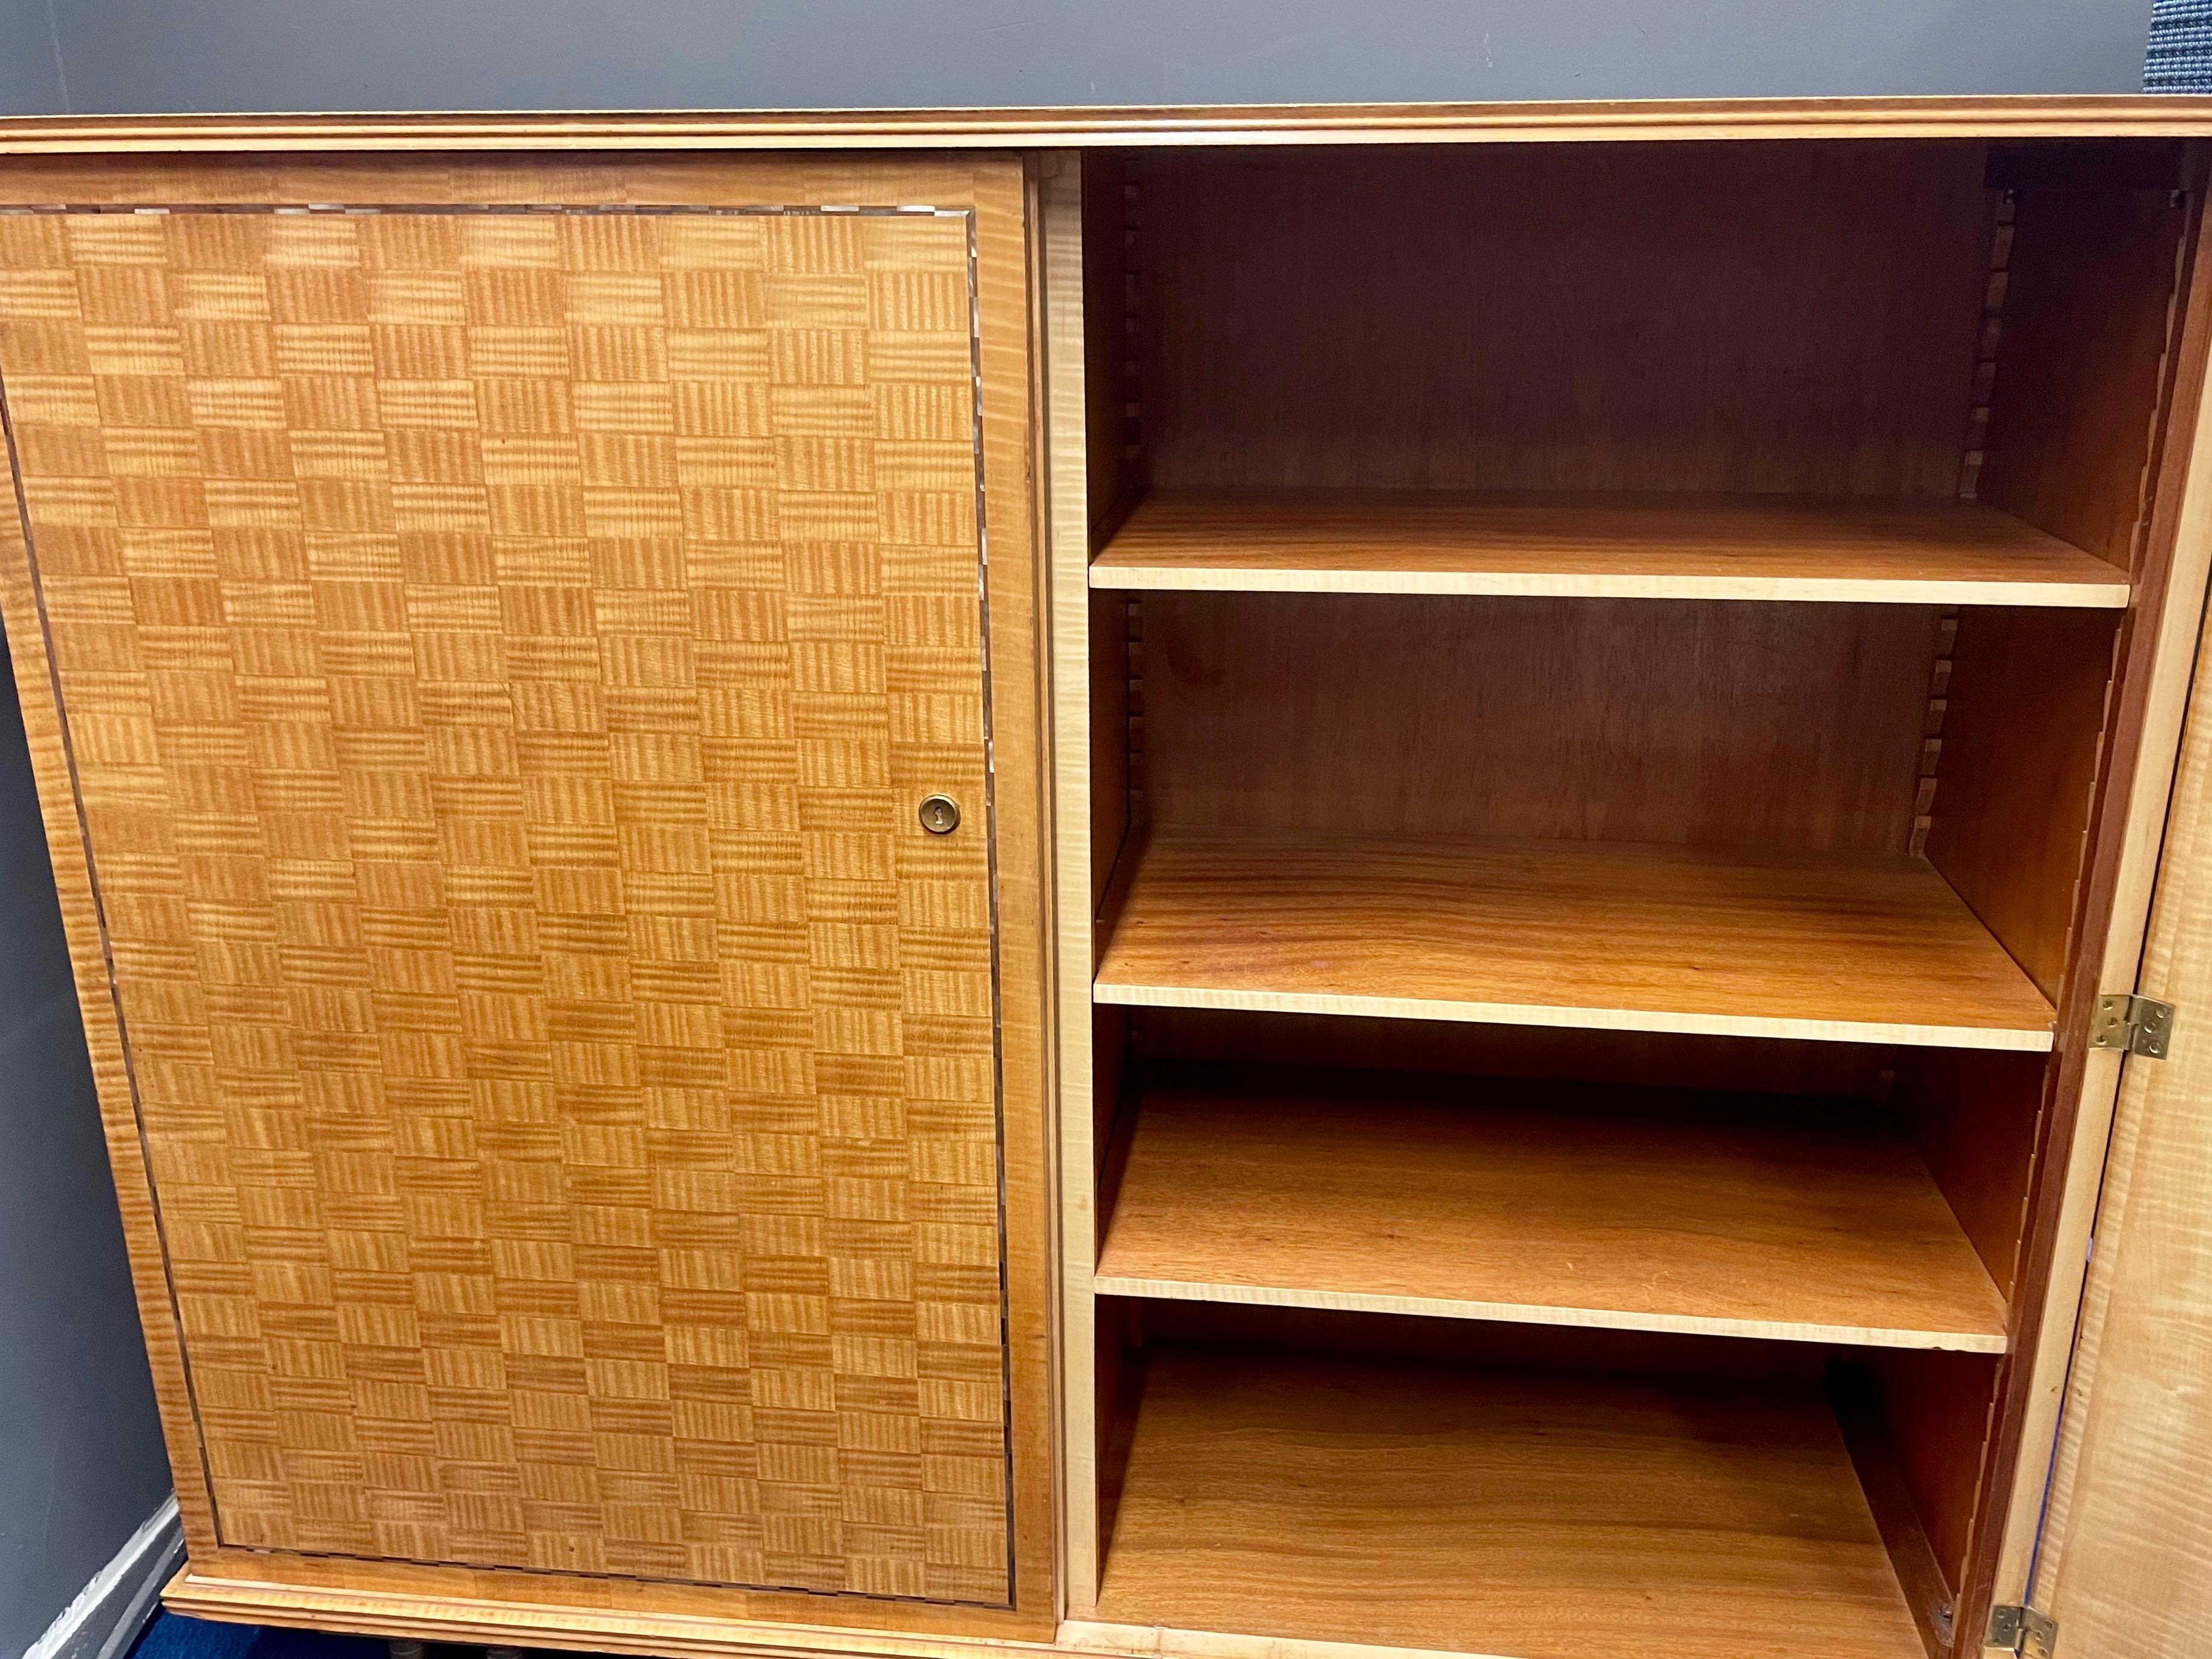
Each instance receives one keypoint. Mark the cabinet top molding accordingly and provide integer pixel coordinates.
(2105, 116)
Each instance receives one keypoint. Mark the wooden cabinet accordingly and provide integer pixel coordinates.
(1118, 883)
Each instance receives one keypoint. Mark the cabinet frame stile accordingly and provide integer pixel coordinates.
(1066, 545)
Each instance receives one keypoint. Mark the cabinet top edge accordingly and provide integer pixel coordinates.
(2027, 116)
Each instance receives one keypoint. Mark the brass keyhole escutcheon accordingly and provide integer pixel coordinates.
(941, 814)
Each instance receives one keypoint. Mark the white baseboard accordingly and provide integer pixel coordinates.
(108, 1614)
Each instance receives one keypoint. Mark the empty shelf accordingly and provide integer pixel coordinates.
(1542, 1515)
(1592, 934)
(1543, 1202)
(1922, 550)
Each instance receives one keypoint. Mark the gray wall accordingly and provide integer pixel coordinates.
(81, 1462)
(131, 56)
(30, 66)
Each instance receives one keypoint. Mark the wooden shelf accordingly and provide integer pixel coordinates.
(1920, 550)
(1544, 1204)
(1546, 1515)
(1589, 934)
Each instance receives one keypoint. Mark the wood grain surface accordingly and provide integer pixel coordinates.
(511, 1610)
(1796, 728)
(1791, 319)
(2157, 655)
(1542, 1515)
(1972, 1118)
(1543, 1202)
(2129, 1533)
(1066, 489)
(2082, 360)
(2057, 116)
(2025, 711)
(1631, 938)
(500, 656)
(1846, 549)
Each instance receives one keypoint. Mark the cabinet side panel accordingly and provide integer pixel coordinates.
(2010, 824)
(2089, 282)
(1104, 244)
(1937, 1407)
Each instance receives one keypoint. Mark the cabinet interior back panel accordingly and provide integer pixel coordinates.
(1772, 725)
(1772, 317)
(501, 655)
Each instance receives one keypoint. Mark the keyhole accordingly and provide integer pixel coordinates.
(941, 814)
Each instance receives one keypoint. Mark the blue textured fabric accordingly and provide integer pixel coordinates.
(170, 1637)
(2180, 57)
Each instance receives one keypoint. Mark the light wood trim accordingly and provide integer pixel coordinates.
(1558, 1314)
(2182, 510)
(1269, 1496)
(2097, 116)
(1162, 1641)
(440, 179)
(2129, 1533)
(1542, 1203)
(472, 1620)
(1021, 853)
(1607, 935)
(1067, 546)
(1857, 550)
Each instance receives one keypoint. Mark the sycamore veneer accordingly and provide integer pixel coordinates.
(1543, 1202)
(1863, 550)
(1627, 936)
(1530, 1514)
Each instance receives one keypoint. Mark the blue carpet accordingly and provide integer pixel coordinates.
(170, 1637)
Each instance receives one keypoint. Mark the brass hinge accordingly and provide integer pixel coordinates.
(2022, 1633)
(2141, 1025)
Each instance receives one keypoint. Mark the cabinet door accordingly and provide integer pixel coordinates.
(2126, 1558)
(556, 1076)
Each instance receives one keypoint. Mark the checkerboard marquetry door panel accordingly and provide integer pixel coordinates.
(501, 655)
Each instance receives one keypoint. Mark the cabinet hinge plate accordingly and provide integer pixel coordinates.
(2022, 1633)
(2141, 1025)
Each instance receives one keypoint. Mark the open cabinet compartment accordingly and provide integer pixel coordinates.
(1433, 1486)
(1602, 665)
(1479, 1197)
